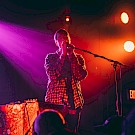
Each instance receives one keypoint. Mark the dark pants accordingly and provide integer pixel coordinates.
(72, 119)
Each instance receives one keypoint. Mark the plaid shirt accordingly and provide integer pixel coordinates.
(59, 69)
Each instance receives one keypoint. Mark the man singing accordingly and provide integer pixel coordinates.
(65, 69)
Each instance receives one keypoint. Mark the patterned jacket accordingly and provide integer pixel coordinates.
(59, 69)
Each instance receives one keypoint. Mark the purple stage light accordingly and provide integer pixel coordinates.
(26, 49)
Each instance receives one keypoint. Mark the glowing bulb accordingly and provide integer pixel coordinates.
(67, 18)
(129, 46)
(124, 17)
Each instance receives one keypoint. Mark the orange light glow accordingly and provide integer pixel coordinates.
(124, 17)
(129, 46)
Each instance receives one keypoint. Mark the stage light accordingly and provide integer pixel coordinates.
(21, 49)
(124, 17)
(129, 46)
(67, 18)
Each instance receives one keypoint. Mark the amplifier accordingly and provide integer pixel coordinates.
(17, 119)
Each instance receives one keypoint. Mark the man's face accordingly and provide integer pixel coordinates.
(62, 38)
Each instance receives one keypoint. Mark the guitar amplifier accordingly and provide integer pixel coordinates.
(18, 118)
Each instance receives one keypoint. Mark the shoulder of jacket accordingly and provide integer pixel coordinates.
(51, 55)
(79, 55)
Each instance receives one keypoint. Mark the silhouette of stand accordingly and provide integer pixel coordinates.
(118, 91)
(112, 125)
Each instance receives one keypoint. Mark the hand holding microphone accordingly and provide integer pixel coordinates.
(70, 48)
(64, 48)
(67, 49)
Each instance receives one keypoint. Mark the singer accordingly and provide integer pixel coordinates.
(65, 69)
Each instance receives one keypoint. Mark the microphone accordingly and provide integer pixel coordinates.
(70, 46)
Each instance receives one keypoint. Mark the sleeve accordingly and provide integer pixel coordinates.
(78, 66)
(53, 66)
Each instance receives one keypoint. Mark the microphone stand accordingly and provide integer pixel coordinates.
(118, 92)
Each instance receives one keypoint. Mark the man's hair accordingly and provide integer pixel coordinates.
(61, 31)
(47, 121)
